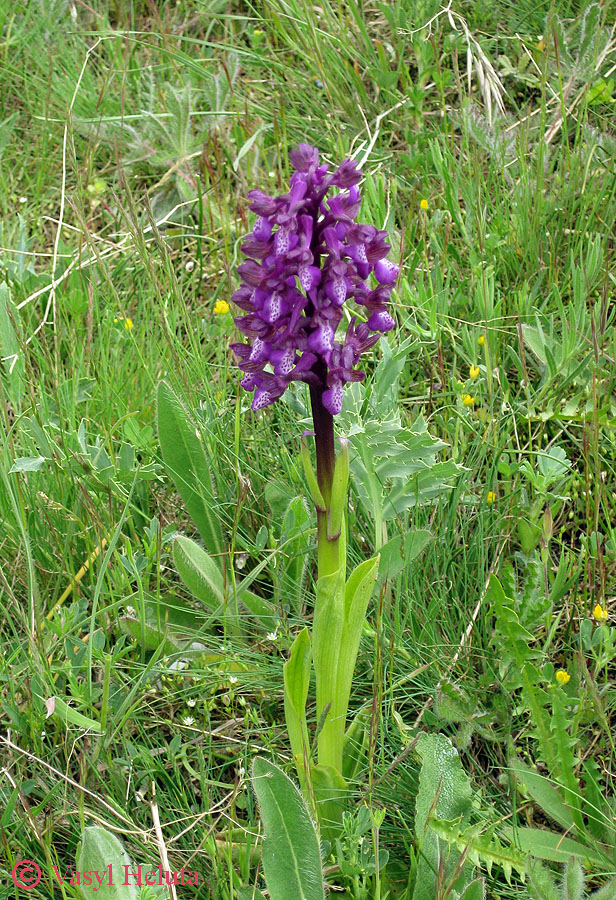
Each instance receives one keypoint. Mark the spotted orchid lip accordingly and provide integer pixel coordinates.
(306, 260)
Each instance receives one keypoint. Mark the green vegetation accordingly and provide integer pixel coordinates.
(142, 672)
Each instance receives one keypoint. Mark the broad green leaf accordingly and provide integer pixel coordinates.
(291, 852)
(202, 576)
(550, 846)
(398, 553)
(445, 793)
(566, 774)
(199, 572)
(186, 462)
(543, 793)
(249, 893)
(149, 636)
(98, 850)
(296, 683)
(476, 890)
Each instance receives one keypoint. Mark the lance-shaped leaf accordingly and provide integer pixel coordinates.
(357, 594)
(327, 632)
(199, 572)
(355, 747)
(339, 494)
(296, 683)
(291, 852)
(186, 462)
(331, 795)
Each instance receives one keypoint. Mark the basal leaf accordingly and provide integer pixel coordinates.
(291, 852)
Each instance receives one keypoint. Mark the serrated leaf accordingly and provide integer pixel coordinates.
(482, 848)
(28, 464)
(291, 852)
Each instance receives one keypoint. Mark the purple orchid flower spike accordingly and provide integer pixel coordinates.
(306, 259)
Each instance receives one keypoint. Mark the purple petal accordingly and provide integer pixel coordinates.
(381, 321)
(304, 157)
(332, 399)
(386, 271)
(322, 339)
(262, 228)
(273, 308)
(283, 361)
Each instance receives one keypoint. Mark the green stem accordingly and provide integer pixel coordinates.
(331, 551)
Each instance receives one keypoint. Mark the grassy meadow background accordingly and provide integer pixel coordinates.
(130, 135)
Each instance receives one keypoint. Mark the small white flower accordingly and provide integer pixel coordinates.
(23, 199)
(131, 611)
(232, 679)
(188, 720)
(177, 665)
(191, 702)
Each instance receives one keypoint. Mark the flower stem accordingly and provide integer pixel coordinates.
(328, 556)
(329, 607)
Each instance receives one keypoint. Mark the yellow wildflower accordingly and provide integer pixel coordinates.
(468, 400)
(481, 340)
(474, 371)
(600, 614)
(221, 307)
(128, 323)
(563, 677)
(491, 497)
(540, 44)
(423, 204)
